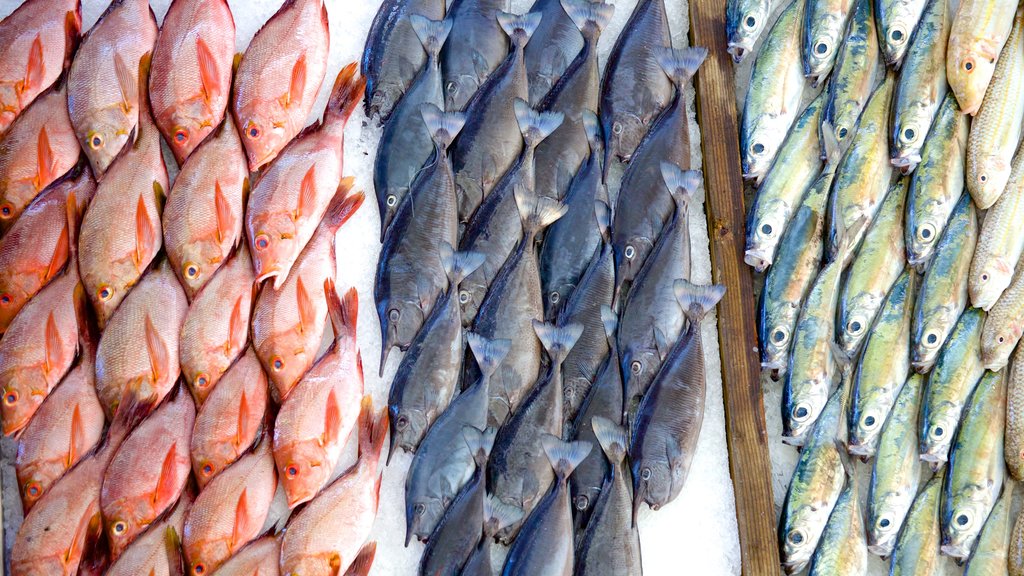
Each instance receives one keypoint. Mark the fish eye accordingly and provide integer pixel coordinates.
(181, 135)
(582, 502)
(277, 363)
(795, 536)
(120, 527)
(645, 474)
(842, 132)
(767, 229)
(630, 252)
(463, 297)
(292, 471)
(983, 178)
(33, 489)
(780, 335)
(822, 48)
(420, 509)
(191, 271)
(202, 380)
(636, 366)
(938, 432)
(401, 422)
(262, 241)
(105, 293)
(926, 232)
(964, 519)
(984, 277)
(869, 422)
(884, 522)
(453, 88)
(969, 64)
(394, 315)
(199, 568)
(95, 141)
(11, 397)
(801, 412)
(6, 210)
(391, 200)
(253, 131)
(757, 148)
(855, 326)
(909, 135)
(897, 35)
(5, 299)
(617, 128)
(1001, 339)
(931, 339)
(554, 297)
(207, 469)
(750, 21)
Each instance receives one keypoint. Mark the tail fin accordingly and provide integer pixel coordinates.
(520, 28)
(589, 16)
(458, 265)
(557, 340)
(683, 184)
(372, 431)
(603, 213)
(592, 126)
(479, 443)
(564, 456)
(344, 312)
(610, 321)
(443, 126)
(846, 244)
(535, 126)
(830, 145)
(343, 205)
(489, 354)
(612, 438)
(145, 111)
(680, 65)
(697, 300)
(347, 92)
(498, 515)
(432, 33)
(363, 561)
(537, 212)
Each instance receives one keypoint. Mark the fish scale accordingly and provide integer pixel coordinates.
(1014, 439)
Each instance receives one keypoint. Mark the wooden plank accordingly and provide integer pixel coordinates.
(749, 460)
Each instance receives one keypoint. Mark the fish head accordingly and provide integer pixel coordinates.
(555, 299)
(273, 245)
(400, 321)
(764, 235)
(803, 402)
(457, 91)
(886, 514)
(630, 254)
(938, 428)
(11, 301)
(205, 469)
(855, 321)
(963, 517)
(822, 43)
(107, 292)
(639, 366)
(743, 29)
(304, 468)
(895, 34)
(969, 67)
(387, 204)
(998, 343)
(421, 516)
(264, 131)
(922, 238)
(987, 178)
(472, 291)
(626, 132)
(184, 126)
(122, 526)
(910, 127)
(653, 482)
(20, 402)
(103, 134)
(777, 323)
(865, 425)
(930, 333)
(407, 427)
(759, 143)
(194, 268)
(988, 280)
(799, 532)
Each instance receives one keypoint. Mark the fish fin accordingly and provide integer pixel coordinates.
(535, 126)
(432, 33)
(603, 216)
(145, 235)
(592, 126)
(172, 545)
(242, 425)
(499, 515)
(237, 327)
(683, 184)
(519, 27)
(51, 347)
(363, 561)
(307, 194)
(612, 438)
(372, 431)
(344, 312)
(564, 456)
(72, 33)
(343, 205)
(557, 340)
(537, 212)
(242, 528)
(332, 419)
(35, 69)
(159, 361)
(165, 484)
(610, 321)
(225, 216)
(443, 126)
(458, 265)
(479, 442)
(489, 354)
(44, 160)
(76, 441)
(830, 146)
(307, 313)
(586, 14)
(208, 76)
(662, 343)
(126, 81)
(697, 300)
(681, 64)
(297, 83)
(73, 217)
(60, 254)
(347, 92)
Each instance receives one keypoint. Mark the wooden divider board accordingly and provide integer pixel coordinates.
(749, 460)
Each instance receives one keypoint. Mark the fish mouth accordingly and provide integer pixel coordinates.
(793, 440)
(793, 567)
(994, 364)
(921, 366)
(934, 461)
(858, 449)
(906, 164)
(881, 550)
(955, 552)
(737, 51)
(274, 273)
(757, 259)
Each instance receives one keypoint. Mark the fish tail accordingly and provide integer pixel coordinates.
(592, 127)
(344, 312)
(432, 33)
(683, 184)
(372, 431)
(145, 111)
(697, 300)
(479, 442)
(589, 16)
(830, 146)
(680, 65)
(458, 265)
(537, 212)
(519, 27)
(612, 438)
(489, 354)
(443, 126)
(363, 561)
(564, 456)
(343, 205)
(498, 515)
(603, 215)
(610, 321)
(347, 92)
(557, 340)
(535, 126)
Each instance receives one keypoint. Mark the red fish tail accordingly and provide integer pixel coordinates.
(347, 92)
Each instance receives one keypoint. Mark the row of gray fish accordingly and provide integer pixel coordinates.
(883, 217)
(536, 315)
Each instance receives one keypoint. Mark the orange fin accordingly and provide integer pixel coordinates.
(236, 327)
(344, 312)
(145, 235)
(52, 346)
(157, 349)
(36, 67)
(77, 439)
(298, 82)
(307, 193)
(207, 71)
(343, 205)
(376, 492)
(364, 560)
(166, 488)
(243, 522)
(242, 429)
(127, 82)
(60, 254)
(332, 419)
(44, 160)
(225, 217)
(307, 314)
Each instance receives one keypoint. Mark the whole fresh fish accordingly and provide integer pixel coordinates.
(121, 231)
(291, 197)
(611, 544)
(496, 226)
(458, 532)
(476, 51)
(773, 95)
(668, 421)
(873, 272)
(512, 303)
(996, 129)
(191, 78)
(406, 142)
(976, 469)
(63, 529)
(40, 147)
(148, 473)
(202, 220)
(744, 22)
(393, 53)
(797, 168)
(882, 368)
(515, 474)
(62, 431)
(558, 41)
(490, 142)
(443, 463)
(856, 73)
(1003, 325)
(937, 184)
(642, 209)
(843, 548)
(288, 324)
(156, 551)
(230, 511)
(651, 320)
(917, 550)
(137, 354)
(271, 110)
(943, 294)
(950, 383)
(634, 89)
(572, 242)
(428, 375)
(990, 555)
(545, 545)
(1014, 441)
(898, 21)
(998, 248)
(921, 88)
(105, 83)
(314, 541)
(864, 174)
(561, 156)
(496, 517)
(825, 26)
(363, 562)
(410, 272)
(316, 419)
(38, 40)
(799, 259)
(980, 29)
(259, 557)
(230, 419)
(896, 473)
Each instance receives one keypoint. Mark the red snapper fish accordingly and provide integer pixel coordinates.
(157, 551)
(259, 558)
